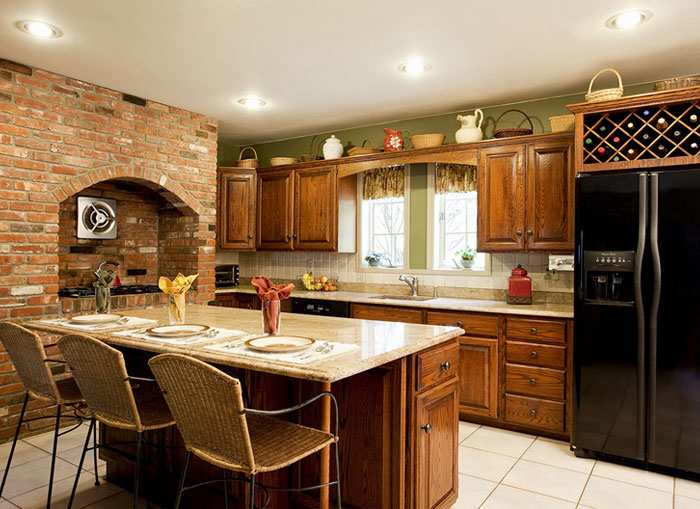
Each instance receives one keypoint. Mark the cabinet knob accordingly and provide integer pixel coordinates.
(533, 413)
(427, 428)
(458, 324)
(294, 236)
(250, 235)
(533, 381)
(533, 331)
(519, 233)
(289, 237)
(533, 354)
(446, 365)
(529, 232)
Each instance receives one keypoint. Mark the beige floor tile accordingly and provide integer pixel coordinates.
(557, 454)
(35, 474)
(472, 492)
(466, 429)
(604, 493)
(687, 488)
(4, 504)
(547, 480)
(633, 476)
(75, 438)
(24, 453)
(685, 503)
(87, 493)
(484, 464)
(73, 456)
(499, 441)
(507, 497)
(119, 501)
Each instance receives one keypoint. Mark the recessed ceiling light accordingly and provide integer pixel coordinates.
(39, 29)
(252, 103)
(414, 67)
(628, 19)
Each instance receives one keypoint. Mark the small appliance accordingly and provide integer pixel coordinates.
(226, 276)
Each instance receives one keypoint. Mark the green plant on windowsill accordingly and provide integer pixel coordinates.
(466, 256)
(374, 259)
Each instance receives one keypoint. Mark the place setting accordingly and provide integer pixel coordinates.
(180, 334)
(96, 322)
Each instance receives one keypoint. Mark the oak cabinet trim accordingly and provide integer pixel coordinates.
(227, 212)
(285, 243)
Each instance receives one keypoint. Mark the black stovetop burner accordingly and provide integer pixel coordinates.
(88, 291)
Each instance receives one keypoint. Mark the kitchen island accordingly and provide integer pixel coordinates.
(397, 392)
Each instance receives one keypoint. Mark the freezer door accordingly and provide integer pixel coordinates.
(609, 339)
(674, 406)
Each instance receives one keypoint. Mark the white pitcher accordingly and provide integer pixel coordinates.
(470, 130)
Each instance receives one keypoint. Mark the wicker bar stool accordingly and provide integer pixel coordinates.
(101, 375)
(210, 414)
(26, 352)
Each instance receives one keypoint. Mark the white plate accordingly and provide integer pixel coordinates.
(279, 343)
(95, 319)
(177, 331)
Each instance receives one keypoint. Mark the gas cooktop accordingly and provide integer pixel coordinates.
(88, 291)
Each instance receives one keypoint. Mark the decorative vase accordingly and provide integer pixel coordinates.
(271, 317)
(470, 130)
(466, 263)
(393, 141)
(176, 308)
(332, 148)
(373, 263)
(103, 302)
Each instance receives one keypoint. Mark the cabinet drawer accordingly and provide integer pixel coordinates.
(536, 354)
(472, 323)
(544, 382)
(436, 364)
(386, 313)
(540, 413)
(542, 330)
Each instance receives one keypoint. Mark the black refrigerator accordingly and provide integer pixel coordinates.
(637, 319)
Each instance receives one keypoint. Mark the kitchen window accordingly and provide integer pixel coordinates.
(455, 230)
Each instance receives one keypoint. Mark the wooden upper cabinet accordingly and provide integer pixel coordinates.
(316, 209)
(275, 206)
(550, 196)
(236, 221)
(501, 212)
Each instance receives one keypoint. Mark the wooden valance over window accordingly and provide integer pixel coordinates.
(454, 178)
(384, 183)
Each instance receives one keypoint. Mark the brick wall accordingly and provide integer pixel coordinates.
(59, 137)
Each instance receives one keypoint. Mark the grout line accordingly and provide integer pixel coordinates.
(631, 483)
(585, 485)
(509, 470)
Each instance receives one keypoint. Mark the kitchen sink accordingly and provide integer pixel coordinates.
(403, 297)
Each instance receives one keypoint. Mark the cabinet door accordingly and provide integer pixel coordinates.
(316, 209)
(275, 210)
(550, 196)
(478, 376)
(237, 210)
(436, 448)
(501, 198)
(386, 313)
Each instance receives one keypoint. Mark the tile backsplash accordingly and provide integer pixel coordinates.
(289, 265)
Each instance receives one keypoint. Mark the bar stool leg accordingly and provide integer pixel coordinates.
(338, 501)
(14, 442)
(137, 471)
(94, 451)
(53, 455)
(80, 464)
(183, 475)
(252, 491)
(225, 488)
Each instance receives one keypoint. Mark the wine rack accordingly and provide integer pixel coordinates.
(642, 133)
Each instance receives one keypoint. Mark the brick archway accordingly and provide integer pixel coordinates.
(153, 179)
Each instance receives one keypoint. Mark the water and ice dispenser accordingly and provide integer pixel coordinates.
(608, 276)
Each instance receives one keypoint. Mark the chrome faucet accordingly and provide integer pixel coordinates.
(411, 281)
(98, 272)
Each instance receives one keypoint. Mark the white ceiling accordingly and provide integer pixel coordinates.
(323, 65)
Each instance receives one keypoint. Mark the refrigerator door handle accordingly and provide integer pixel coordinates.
(641, 363)
(654, 313)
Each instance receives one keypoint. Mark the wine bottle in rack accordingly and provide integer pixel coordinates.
(661, 124)
(661, 150)
(693, 118)
(631, 153)
(603, 153)
(588, 141)
(603, 130)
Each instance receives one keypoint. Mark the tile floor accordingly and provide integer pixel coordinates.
(498, 469)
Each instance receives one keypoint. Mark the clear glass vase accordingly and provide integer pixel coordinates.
(271, 317)
(103, 302)
(176, 308)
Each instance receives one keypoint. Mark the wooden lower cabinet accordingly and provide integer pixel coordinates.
(386, 313)
(478, 378)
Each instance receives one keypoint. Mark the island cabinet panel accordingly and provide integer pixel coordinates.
(236, 220)
(386, 313)
(436, 447)
(316, 209)
(550, 196)
(501, 212)
(275, 210)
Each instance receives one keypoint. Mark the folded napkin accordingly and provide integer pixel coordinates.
(266, 290)
(318, 351)
(177, 288)
(211, 335)
(127, 321)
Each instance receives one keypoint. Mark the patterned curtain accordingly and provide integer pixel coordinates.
(383, 183)
(454, 178)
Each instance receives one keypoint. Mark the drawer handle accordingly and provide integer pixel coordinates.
(533, 413)
(427, 428)
(533, 381)
(446, 365)
(533, 354)
(533, 331)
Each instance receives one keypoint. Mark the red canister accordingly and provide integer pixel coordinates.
(519, 287)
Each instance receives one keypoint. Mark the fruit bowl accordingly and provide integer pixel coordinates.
(320, 284)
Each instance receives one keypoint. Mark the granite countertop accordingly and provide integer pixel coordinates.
(484, 306)
(379, 342)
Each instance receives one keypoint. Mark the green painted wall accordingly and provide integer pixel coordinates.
(418, 218)
(227, 154)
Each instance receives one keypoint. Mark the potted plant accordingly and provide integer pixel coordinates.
(373, 258)
(466, 256)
